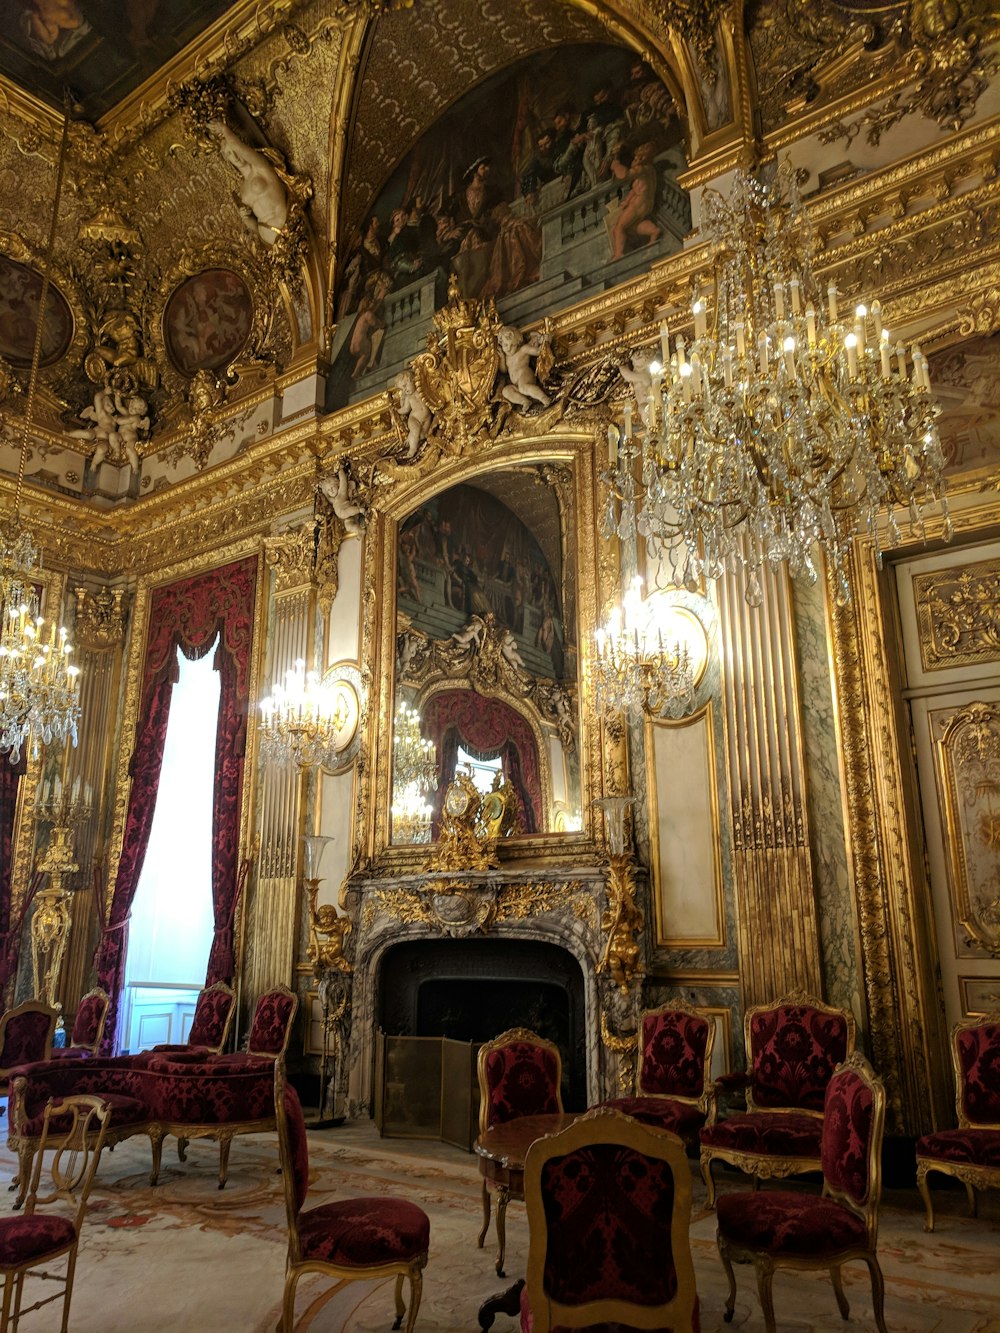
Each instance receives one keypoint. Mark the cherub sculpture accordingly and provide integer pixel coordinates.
(341, 492)
(518, 353)
(640, 376)
(116, 428)
(470, 635)
(102, 413)
(131, 419)
(414, 414)
(510, 652)
(263, 197)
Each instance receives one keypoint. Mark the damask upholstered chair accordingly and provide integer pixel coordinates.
(972, 1151)
(609, 1206)
(348, 1239)
(75, 1128)
(88, 1027)
(674, 1088)
(793, 1047)
(26, 1036)
(213, 1017)
(520, 1074)
(786, 1229)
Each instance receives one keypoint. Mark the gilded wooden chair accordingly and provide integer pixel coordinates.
(75, 1127)
(519, 1074)
(793, 1047)
(213, 1017)
(347, 1239)
(26, 1036)
(88, 1027)
(674, 1087)
(970, 1153)
(786, 1229)
(609, 1207)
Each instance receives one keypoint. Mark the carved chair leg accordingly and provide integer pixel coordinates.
(25, 1161)
(503, 1194)
(156, 1147)
(486, 1214)
(706, 1174)
(416, 1291)
(878, 1291)
(970, 1190)
(838, 1290)
(70, 1274)
(925, 1194)
(182, 1149)
(288, 1301)
(765, 1276)
(225, 1144)
(400, 1303)
(18, 1297)
(727, 1264)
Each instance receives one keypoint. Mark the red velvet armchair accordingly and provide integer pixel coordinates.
(609, 1206)
(971, 1152)
(88, 1027)
(793, 1047)
(674, 1088)
(26, 1034)
(213, 1017)
(348, 1239)
(786, 1229)
(519, 1074)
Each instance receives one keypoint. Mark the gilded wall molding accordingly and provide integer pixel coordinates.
(958, 616)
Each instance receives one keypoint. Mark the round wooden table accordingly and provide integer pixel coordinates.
(501, 1151)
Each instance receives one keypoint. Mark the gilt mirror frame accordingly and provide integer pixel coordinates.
(573, 449)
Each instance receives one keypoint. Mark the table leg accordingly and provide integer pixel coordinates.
(486, 1214)
(503, 1195)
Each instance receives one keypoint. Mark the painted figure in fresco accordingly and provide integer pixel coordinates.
(53, 27)
(367, 335)
(635, 215)
(518, 353)
(414, 413)
(516, 255)
(366, 259)
(407, 582)
(263, 198)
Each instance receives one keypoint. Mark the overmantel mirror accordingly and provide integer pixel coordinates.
(489, 591)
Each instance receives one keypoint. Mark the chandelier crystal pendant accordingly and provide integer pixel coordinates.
(635, 672)
(301, 720)
(789, 424)
(414, 774)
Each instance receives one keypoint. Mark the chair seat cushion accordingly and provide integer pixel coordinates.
(768, 1133)
(661, 1112)
(25, 1238)
(71, 1053)
(780, 1222)
(359, 1233)
(124, 1111)
(975, 1147)
(181, 1053)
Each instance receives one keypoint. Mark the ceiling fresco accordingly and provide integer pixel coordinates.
(100, 49)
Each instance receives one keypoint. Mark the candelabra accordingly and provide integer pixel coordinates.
(302, 719)
(623, 919)
(635, 672)
(327, 935)
(51, 918)
(787, 425)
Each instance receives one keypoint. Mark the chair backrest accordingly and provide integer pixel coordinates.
(675, 1055)
(520, 1073)
(272, 1022)
(293, 1153)
(91, 1015)
(609, 1207)
(75, 1127)
(793, 1047)
(975, 1054)
(851, 1147)
(26, 1034)
(213, 1014)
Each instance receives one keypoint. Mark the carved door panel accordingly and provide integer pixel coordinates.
(950, 616)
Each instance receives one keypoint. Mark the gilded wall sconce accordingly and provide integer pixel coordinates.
(623, 918)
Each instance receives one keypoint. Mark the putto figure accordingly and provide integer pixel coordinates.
(519, 353)
(263, 197)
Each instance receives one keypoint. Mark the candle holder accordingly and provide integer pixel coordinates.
(623, 919)
(52, 917)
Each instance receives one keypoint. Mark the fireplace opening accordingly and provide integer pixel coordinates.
(472, 990)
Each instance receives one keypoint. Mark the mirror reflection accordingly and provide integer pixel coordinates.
(486, 667)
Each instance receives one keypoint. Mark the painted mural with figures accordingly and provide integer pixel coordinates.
(20, 289)
(966, 382)
(588, 129)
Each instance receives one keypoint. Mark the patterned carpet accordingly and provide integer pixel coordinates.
(187, 1258)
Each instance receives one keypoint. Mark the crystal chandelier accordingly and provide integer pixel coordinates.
(39, 698)
(635, 672)
(411, 815)
(787, 425)
(414, 759)
(301, 720)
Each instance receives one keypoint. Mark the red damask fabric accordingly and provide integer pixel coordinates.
(25, 1238)
(847, 1133)
(10, 778)
(608, 1212)
(88, 1021)
(521, 1079)
(273, 1014)
(795, 1050)
(188, 614)
(25, 1038)
(488, 728)
(979, 1062)
(782, 1222)
(210, 1015)
(971, 1147)
(681, 1118)
(673, 1054)
(770, 1133)
(298, 1148)
(359, 1233)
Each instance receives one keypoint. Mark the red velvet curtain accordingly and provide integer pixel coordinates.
(188, 615)
(486, 728)
(10, 781)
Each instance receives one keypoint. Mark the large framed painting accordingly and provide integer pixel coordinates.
(207, 321)
(20, 292)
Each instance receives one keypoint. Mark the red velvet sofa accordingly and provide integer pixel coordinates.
(217, 1097)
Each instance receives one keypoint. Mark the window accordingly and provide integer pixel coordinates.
(484, 771)
(172, 923)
